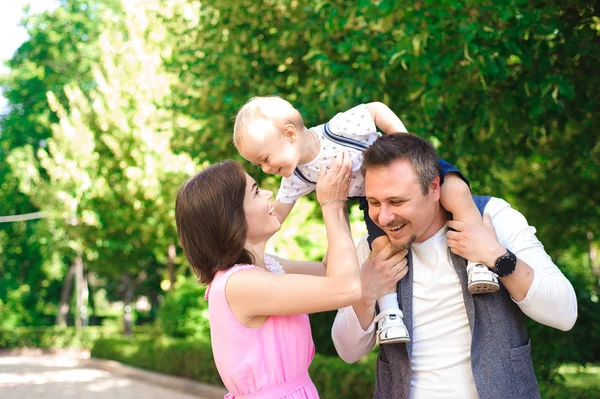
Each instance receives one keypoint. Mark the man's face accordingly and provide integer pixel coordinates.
(397, 204)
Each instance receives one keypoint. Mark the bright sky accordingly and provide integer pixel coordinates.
(11, 34)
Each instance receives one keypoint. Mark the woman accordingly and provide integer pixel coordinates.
(258, 304)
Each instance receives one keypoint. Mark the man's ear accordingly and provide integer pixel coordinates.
(290, 132)
(435, 188)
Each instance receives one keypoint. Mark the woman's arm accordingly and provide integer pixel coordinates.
(253, 293)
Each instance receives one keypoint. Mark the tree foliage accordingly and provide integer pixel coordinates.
(110, 102)
(106, 177)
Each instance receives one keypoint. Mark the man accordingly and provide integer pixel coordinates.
(462, 346)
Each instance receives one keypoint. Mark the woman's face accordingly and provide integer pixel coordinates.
(260, 215)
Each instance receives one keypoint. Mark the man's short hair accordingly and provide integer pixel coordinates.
(390, 148)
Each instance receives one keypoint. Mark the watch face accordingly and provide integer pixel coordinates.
(506, 264)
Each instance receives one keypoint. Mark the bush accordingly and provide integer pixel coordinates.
(194, 359)
(181, 357)
(320, 325)
(332, 377)
(185, 312)
(336, 379)
(551, 347)
(53, 337)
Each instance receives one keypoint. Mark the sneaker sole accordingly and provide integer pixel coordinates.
(483, 288)
(394, 341)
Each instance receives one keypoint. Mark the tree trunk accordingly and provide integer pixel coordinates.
(127, 317)
(594, 261)
(92, 307)
(79, 291)
(171, 266)
(65, 295)
(85, 296)
(155, 303)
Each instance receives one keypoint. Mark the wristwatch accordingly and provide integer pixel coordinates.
(505, 265)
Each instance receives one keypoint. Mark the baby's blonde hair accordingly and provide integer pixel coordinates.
(270, 109)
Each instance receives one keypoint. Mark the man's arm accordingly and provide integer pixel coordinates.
(350, 340)
(537, 285)
(353, 330)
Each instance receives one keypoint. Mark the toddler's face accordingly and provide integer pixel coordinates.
(272, 150)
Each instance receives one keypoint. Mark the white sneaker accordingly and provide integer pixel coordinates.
(481, 279)
(390, 327)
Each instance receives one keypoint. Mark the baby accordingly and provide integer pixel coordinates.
(270, 133)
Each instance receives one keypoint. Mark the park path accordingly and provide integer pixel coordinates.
(66, 377)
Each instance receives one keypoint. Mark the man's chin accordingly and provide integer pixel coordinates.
(400, 245)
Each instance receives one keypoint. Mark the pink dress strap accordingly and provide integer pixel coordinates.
(226, 275)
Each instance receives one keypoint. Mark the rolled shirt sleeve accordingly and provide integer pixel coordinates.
(349, 339)
(551, 298)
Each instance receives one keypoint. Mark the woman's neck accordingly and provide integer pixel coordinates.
(258, 251)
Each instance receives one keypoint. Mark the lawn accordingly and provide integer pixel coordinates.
(579, 383)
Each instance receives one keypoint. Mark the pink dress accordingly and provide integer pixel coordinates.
(270, 362)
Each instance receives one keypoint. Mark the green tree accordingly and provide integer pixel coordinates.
(108, 178)
(48, 60)
(506, 90)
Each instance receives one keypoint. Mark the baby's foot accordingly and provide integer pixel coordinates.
(481, 279)
(390, 327)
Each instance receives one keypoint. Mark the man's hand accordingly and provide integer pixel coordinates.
(379, 274)
(382, 271)
(477, 243)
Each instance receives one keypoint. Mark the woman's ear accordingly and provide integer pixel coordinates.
(290, 132)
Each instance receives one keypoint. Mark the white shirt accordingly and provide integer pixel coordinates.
(441, 336)
(550, 300)
(356, 124)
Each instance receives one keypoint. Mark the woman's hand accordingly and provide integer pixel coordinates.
(333, 183)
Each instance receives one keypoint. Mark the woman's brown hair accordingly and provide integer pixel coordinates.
(211, 223)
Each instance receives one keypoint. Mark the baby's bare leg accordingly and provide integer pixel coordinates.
(456, 198)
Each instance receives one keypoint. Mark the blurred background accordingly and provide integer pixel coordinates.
(109, 105)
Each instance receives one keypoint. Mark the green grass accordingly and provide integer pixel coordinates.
(581, 377)
(579, 383)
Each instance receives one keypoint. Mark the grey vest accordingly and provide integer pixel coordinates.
(500, 348)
